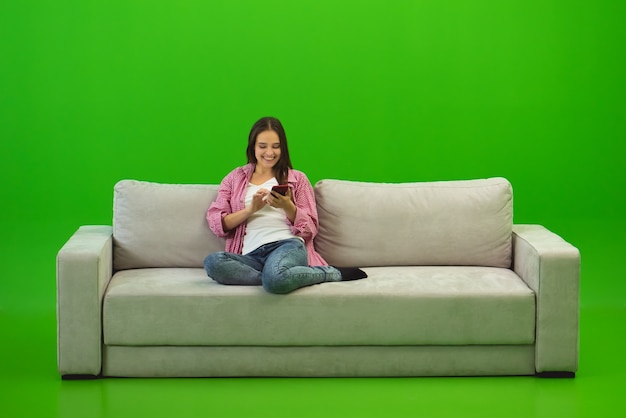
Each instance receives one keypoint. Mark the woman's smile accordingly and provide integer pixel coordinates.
(267, 148)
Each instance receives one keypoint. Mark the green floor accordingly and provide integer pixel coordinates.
(31, 387)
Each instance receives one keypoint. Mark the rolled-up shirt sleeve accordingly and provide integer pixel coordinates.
(220, 207)
(305, 224)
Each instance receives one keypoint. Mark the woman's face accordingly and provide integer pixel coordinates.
(267, 149)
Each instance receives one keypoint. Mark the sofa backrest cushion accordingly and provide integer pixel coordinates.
(162, 225)
(465, 222)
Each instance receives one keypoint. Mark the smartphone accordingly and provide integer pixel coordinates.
(281, 189)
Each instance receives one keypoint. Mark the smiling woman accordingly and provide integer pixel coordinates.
(269, 235)
(267, 143)
(267, 150)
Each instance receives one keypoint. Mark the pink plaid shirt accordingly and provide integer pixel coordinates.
(231, 198)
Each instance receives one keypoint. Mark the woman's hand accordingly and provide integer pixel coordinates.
(276, 200)
(233, 220)
(259, 200)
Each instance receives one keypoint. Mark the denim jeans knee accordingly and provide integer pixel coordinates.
(233, 269)
(287, 269)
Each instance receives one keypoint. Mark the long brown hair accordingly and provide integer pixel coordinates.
(268, 123)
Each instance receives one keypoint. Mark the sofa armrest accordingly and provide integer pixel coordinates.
(84, 268)
(551, 268)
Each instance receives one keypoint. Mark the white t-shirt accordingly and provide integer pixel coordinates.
(266, 225)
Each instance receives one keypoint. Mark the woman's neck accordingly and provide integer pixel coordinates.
(261, 175)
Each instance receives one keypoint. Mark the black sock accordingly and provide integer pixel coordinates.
(351, 273)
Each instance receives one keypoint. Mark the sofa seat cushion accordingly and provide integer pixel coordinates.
(393, 306)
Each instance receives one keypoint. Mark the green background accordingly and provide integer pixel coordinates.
(92, 92)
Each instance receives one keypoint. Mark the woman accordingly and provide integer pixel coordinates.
(269, 236)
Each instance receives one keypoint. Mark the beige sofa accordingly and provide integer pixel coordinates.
(454, 289)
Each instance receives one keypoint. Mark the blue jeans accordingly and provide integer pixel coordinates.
(281, 267)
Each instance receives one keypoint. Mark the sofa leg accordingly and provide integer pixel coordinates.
(556, 375)
(79, 377)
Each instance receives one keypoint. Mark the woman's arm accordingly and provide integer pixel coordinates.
(233, 220)
(285, 202)
(305, 222)
(222, 206)
(222, 216)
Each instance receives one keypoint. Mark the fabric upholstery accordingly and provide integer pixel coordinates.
(84, 268)
(393, 306)
(454, 289)
(551, 267)
(432, 223)
(160, 361)
(162, 225)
